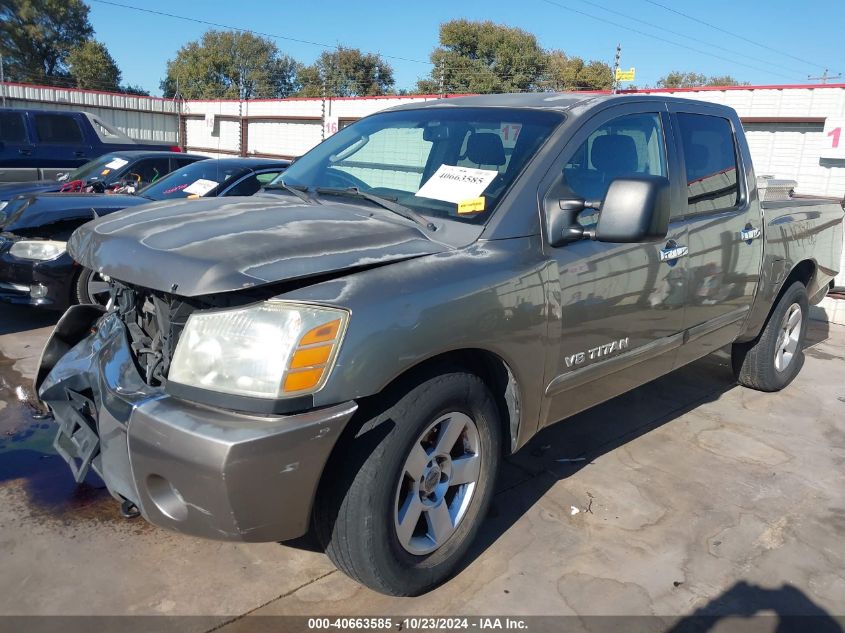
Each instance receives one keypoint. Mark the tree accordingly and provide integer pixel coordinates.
(347, 72)
(573, 73)
(131, 89)
(36, 37)
(91, 66)
(230, 64)
(679, 79)
(484, 57)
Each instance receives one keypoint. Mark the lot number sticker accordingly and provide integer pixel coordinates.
(456, 184)
(200, 187)
(117, 163)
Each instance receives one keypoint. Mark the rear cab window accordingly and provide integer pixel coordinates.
(12, 128)
(58, 128)
(710, 158)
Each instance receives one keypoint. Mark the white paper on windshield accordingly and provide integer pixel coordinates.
(116, 163)
(453, 184)
(200, 187)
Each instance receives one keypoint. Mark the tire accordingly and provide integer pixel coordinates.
(364, 514)
(84, 288)
(772, 361)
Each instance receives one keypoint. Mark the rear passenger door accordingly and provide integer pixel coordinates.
(15, 147)
(61, 140)
(724, 228)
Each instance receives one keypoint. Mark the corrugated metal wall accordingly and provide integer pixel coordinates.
(143, 118)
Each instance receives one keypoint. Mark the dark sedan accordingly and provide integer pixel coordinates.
(137, 168)
(35, 268)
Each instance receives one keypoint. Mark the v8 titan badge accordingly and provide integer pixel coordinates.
(456, 184)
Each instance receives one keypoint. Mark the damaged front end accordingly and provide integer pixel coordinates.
(195, 469)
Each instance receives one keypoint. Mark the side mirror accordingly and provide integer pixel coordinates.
(634, 210)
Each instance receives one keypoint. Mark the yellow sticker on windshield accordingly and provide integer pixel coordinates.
(105, 172)
(471, 205)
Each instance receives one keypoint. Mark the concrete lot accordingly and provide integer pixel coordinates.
(694, 494)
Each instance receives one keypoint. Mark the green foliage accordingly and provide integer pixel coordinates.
(230, 65)
(347, 72)
(131, 89)
(484, 57)
(91, 66)
(37, 36)
(573, 73)
(679, 79)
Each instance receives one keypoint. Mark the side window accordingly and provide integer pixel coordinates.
(628, 145)
(57, 128)
(267, 178)
(12, 128)
(245, 187)
(149, 169)
(710, 157)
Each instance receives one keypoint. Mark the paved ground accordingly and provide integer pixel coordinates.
(695, 495)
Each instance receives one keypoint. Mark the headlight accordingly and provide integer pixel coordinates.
(273, 349)
(3, 204)
(40, 250)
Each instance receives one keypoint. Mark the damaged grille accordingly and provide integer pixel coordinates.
(154, 322)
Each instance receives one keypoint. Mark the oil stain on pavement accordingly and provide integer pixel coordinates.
(30, 470)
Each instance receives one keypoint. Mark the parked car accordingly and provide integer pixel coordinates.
(35, 268)
(108, 172)
(451, 277)
(40, 144)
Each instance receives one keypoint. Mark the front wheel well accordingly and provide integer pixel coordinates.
(490, 367)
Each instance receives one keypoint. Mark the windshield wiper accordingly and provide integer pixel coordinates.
(382, 201)
(300, 191)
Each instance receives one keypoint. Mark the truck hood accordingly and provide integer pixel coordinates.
(206, 246)
(36, 211)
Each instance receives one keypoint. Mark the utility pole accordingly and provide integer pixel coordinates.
(323, 113)
(442, 79)
(2, 81)
(616, 67)
(824, 77)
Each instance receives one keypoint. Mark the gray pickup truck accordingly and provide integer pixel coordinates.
(355, 350)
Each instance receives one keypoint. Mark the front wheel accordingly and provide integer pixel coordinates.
(407, 494)
(90, 288)
(774, 359)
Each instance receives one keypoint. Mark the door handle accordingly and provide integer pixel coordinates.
(25, 151)
(673, 252)
(749, 233)
(79, 154)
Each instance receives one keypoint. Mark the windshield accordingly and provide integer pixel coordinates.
(105, 167)
(444, 162)
(197, 179)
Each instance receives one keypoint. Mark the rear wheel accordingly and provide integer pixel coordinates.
(406, 498)
(773, 360)
(90, 287)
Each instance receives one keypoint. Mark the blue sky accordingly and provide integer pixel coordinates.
(812, 30)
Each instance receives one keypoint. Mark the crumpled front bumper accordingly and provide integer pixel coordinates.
(190, 468)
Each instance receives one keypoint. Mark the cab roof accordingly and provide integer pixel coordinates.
(561, 101)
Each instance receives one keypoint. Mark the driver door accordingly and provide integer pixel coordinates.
(621, 306)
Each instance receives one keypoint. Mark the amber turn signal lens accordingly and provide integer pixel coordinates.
(321, 333)
(311, 356)
(301, 380)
